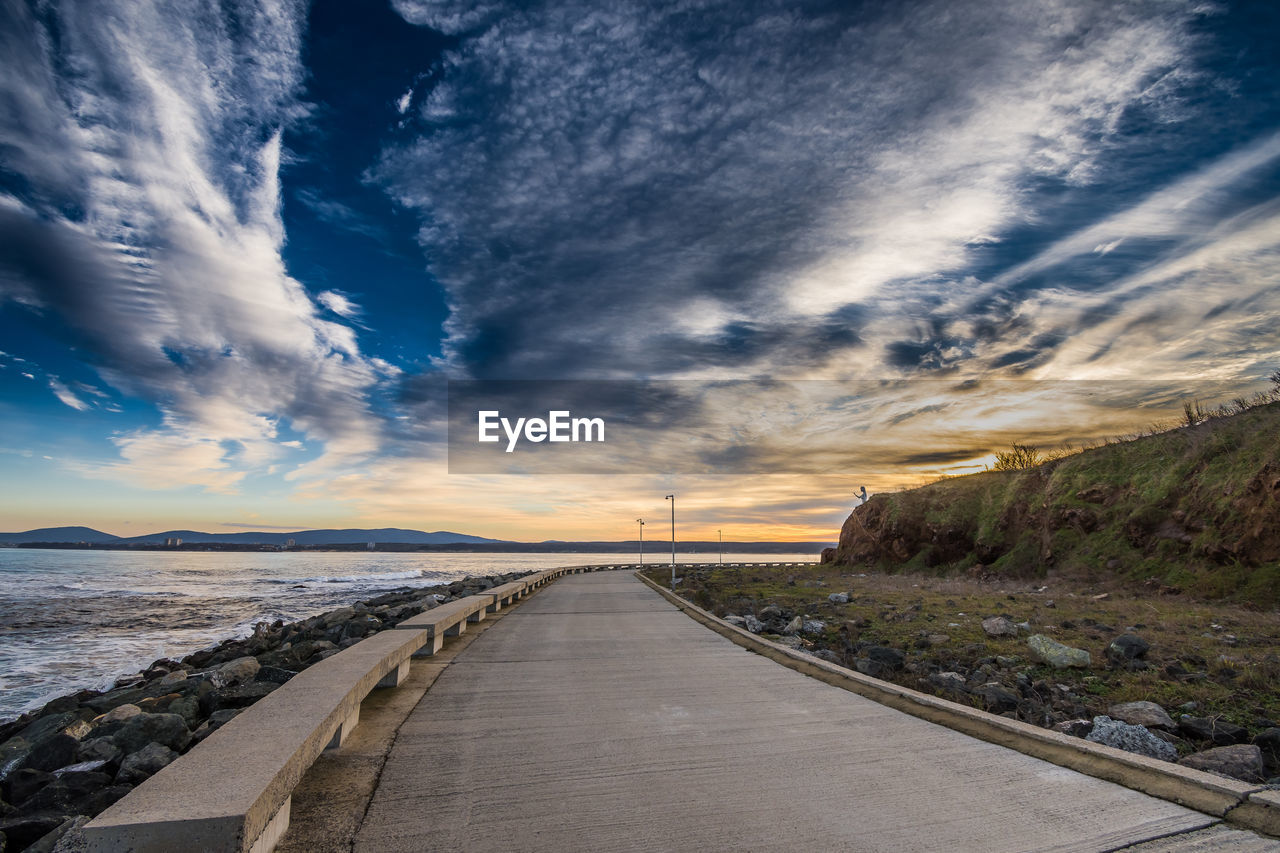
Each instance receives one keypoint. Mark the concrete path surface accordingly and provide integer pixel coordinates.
(598, 717)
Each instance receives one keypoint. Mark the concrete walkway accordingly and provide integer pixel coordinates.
(598, 717)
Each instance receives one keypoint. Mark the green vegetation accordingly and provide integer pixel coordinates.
(1194, 510)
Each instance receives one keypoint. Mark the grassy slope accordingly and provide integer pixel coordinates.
(1196, 509)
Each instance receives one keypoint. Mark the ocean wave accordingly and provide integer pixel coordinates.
(370, 578)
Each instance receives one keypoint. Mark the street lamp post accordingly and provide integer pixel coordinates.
(721, 532)
(672, 498)
(641, 520)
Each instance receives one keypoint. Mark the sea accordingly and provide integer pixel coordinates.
(76, 619)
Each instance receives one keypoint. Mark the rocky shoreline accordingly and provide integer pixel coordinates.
(62, 765)
(1021, 686)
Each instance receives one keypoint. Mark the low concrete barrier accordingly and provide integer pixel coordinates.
(1240, 803)
(232, 791)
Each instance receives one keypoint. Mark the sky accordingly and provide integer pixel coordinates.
(246, 246)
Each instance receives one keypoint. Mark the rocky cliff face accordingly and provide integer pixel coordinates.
(1196, 509)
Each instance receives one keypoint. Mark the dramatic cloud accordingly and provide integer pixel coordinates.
(147, 221)
(693, 188)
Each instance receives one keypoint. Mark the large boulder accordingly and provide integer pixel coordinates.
(144, 763)
(238, 671)
(52, 752)
(1142, 713)
(1058, 655)
(1137, 739)
(42, 743)
(75, 793)
(1241, 761)
(138, 731)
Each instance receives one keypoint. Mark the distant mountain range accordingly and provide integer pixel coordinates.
(388, 539)
(75, 535)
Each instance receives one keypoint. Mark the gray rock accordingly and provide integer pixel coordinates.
(275, 674)
(1075, 728)
(999, 626)
(71, 838)
(951, 682)
(885, 656)
(240, 696)
(361, 626)
(168, 729)
(1142, 713)
(866, 666)
(144, 763)
(52, 752)
(21, 831)
(794, 626)
(1056, 654)
(1220, 732)
(169, 679)
(1130, 738)
(99, 749)
(67, 837)
(736, 621)
(188, 707)
(937, 639)
(838, 598)
(1127, 647)
(238, 671)
(997, 697)
(69, 794)
(22, 784)
(770, 612)
(1241, 761)
(337, 617)
(118, 714)
(813, 626)
(1269, 742)
(752, 624)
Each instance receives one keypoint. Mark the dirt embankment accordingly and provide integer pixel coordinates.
(1195, 510)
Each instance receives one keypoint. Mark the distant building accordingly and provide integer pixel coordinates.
(172, 542)
(289, 543)
(372, 546)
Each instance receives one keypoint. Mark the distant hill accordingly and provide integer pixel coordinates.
(1195, 509)
(319, 537)
(72, 535)
(60, 534)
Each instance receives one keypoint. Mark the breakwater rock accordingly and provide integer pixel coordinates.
(74, 757)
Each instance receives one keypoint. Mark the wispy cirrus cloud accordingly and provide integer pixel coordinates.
(148, 220)
(684, 188)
